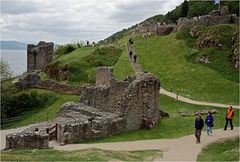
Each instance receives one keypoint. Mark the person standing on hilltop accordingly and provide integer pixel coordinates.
(198, 127)
(229, 117)
(209, 122)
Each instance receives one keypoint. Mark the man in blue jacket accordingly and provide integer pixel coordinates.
(199, 126)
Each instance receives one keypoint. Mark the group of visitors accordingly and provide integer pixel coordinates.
(199, 124)
(131, 55)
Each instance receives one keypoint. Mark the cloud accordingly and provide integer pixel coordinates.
(18, 7)
(135, 11)
(62, 21)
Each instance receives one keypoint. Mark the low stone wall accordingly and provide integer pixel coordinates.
(32, 137)
(34, 81)
(27, 141)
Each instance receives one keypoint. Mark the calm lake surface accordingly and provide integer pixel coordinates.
(17, 60)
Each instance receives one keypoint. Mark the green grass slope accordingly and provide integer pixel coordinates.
(166, 57)
(80, 155)
(222, 150)
(79, 66)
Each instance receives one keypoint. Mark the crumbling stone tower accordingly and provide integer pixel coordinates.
(38, 56)
(104, 76)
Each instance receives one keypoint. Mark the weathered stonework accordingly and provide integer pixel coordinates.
(29, 138)
(104, 76)
(213, 18)
(32, 80)
(38, 56)
(108, 108)
(235, 57)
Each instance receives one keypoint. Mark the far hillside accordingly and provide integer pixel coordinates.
(12, 45)
(195, 8)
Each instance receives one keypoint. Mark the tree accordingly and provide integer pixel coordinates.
(5, 70)
(185, 8)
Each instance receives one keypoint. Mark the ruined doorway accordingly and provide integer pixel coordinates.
(52, 132)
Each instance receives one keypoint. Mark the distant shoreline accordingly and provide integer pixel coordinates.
(13, 49)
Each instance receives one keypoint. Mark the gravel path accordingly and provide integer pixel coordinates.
(138, 70)
(180, 149)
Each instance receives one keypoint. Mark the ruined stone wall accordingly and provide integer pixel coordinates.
(104, 76)
(29, 138)
(137, 101)
(34, 81)
(104, 98)
(38, 56)
(80, 122)
(27, 141)
(140, 103)
(205, 20)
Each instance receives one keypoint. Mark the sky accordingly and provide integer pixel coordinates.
(67, 21)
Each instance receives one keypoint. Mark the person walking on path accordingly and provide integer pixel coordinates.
(229, 117)
(209, 122)
(130, 41)
(130, 54)
(198, 127)
(135, 58)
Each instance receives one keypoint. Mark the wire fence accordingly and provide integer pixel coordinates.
(24, 120)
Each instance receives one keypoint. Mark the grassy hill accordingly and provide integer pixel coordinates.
(166, 57)
(79, 66)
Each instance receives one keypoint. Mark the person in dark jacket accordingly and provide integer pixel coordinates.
(229, 117)
(130, 54)
(198, 125)
(135, 58)
(130, 41)
(209, 122)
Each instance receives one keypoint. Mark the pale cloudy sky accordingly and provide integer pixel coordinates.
(64, 21)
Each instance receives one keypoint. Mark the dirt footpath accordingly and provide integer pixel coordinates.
(180, 149)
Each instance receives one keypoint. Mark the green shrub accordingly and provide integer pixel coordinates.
(65, 49)
(14, 102)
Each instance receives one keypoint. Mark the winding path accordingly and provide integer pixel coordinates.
(179, 149)
(138, 70)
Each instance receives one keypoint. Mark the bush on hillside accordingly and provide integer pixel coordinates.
(65, 49)
(14, 102)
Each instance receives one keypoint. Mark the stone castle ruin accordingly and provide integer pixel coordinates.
(110, 107)
(38, 56)
(213, 18)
